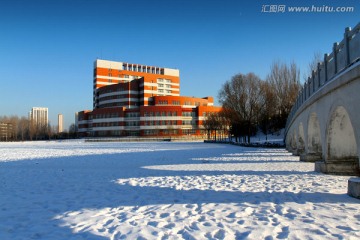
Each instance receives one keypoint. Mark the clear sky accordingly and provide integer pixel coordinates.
(47, 48)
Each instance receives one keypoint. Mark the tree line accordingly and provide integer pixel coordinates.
(250, 103)
(23, 128)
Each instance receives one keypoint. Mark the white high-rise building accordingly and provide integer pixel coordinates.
(39, 115)
(60, 123)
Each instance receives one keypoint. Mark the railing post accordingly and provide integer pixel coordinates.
(313, 80)
(335, 57)
(347, 48)
(301, 95)
(325, 67)
(319, 74)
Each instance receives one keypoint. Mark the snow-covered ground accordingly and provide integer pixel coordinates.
(77, 190)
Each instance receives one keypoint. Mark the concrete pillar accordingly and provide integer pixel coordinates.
(325, 66)
(310, 157)
(344, 168)
(346, 46)
(354, 187)
(335, 57)
(313, 81)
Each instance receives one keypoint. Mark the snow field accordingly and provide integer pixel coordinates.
(77, 190)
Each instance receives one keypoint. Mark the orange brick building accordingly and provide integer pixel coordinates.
(140, 100)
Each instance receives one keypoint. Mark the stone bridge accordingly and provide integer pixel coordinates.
(324, 124)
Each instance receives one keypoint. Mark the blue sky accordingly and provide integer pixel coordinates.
(47, 48)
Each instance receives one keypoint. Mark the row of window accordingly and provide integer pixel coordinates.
(132, 114)
(107, 124)
(189, 122)
(162, 80)
(189, 114)
(160, 85)
(146, 114)
(107, 115)
(168, 123)
(132, 124)
(163, 102)
(160, 123)
(114, 124)
(164, 91)
(162, 131)
(119, 104)
(158, 114)
(143, 69)
(189, 131)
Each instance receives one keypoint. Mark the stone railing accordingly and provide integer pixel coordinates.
(344, 54)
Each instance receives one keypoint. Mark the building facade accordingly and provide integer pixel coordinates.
(140, 100)
(39, 116)
(60, 123)
(6, 132)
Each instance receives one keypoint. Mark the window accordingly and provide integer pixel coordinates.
(126, 76)
(188, 114)
(176, 102)
(160, 85)
(161, 90)
(168, 85)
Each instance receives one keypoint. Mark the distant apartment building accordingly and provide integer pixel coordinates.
(141, 100)
(39, 116)
(60, 123)
(6, 131)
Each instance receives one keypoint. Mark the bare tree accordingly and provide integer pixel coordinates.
(23, 128)
(207, 125)
(212, 124)
(243, 96)
(269, 109)
(284, 80)
(72, 131)
(317, 58)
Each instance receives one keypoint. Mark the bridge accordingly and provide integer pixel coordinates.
(324, 124)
